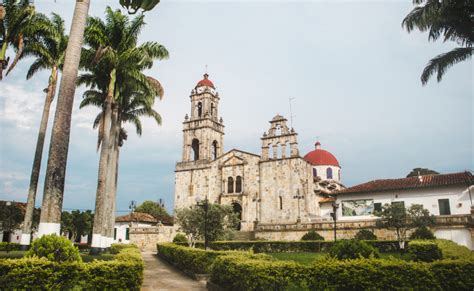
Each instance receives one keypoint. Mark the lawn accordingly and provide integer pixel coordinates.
(85, 256)
(308, 258)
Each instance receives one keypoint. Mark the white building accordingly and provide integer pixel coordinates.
(445, 196)
(125, 222)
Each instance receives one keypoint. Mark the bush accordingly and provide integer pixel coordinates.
(241, 273)
(422, 233)
(54, 248)
(352, 249)
(117, 248)
(125, 272)
(365, 234)
(8, 247)
(195, 261)
(425, 251)
(451, 250)
(312, 235)
(180, 238)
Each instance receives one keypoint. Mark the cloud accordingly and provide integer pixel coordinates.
(20, 106)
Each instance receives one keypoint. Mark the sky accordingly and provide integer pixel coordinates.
(353, 71)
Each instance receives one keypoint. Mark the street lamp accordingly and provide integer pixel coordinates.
(132, 206)
(335, 206)
(299, 197)
(205, 206)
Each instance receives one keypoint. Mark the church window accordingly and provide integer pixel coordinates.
(230, 185)
(315, 172)
(212, 109)
(281, 203)
(195, 146)
(214, 150)
(238, 184)
(199, 107)
(329, 173)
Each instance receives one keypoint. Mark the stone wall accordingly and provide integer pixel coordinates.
(146, 238)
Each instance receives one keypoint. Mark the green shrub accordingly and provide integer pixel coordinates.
(54, 248)
(451, 250)
(425, 251)
(454, 275)
(180, 238)
(352, 249)
(422, 233)
(8, 247)
(125, 272)
(365, 234)
(312, 235)
(116, 248)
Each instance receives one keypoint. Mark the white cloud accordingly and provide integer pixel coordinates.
(21, 106)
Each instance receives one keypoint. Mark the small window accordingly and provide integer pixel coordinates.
(127, 234)
(377, 207)
(230, 185)
(281, 203)
(339, 175)
(214, 150)
(115, 233)
(199, 107)
(315, 172)
(444, 208)
(238, 184)
(212, 109)
(329, 173)
(195, 146)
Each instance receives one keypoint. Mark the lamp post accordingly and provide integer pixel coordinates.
(205, 206)
(299, 197)
(335, 206)
(132, 206)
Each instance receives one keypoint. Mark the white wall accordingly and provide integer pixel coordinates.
(459, 236)
(459, 200)
(322, 172)
(122, 230)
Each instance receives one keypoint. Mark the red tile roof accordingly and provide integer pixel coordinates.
(463, 178)
(136, 217)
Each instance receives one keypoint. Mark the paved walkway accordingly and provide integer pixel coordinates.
(159, 275)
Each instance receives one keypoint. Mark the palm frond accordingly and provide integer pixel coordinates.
(442, 62)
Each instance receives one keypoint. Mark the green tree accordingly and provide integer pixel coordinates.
(216, 223)
(18, 21)
(48, 49)
(133, 6)
(115, 64)
(154, 208)
(421, 172)
(396, 216)
(11, 216)
(76, 223)
(452, 20)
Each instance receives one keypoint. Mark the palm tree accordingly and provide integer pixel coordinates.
(113, 58)
(49, 51)
(451, 19)
(56, 171)
(17, 22)
(134, 5)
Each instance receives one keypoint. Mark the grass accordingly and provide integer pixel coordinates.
(85, 256)
(308, 258)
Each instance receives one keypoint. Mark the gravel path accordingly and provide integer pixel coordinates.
(159, 275)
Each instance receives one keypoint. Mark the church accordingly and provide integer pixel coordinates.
(276, 186)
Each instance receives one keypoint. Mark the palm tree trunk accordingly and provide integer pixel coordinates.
(98, 239)
(56, 171)
(30, 205)
(3, 62)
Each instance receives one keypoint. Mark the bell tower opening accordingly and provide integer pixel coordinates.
(195, 146)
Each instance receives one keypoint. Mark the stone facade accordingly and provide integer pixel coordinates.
(274, 187)
(146, 238)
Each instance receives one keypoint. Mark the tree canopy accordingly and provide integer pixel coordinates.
(154, 208)
(421, 172)
(76, 223)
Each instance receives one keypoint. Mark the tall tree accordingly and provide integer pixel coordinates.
(56, 171)
(153, 208)
(421, 172)
(48, 49)
(114, 61)
(134, 5)
(452, 20)
(18, 22)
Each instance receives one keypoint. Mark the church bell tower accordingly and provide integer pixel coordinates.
(203, 132)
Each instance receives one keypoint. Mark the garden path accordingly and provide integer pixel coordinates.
(159, 275)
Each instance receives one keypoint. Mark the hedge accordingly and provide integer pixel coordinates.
(196, 261)
(124, 272)
(388, 246)
(241, 273)
(425, 251)
(7, 246)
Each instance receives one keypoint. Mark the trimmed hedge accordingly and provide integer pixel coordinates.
(196, 261)
(124, 272)
(8, 247)
(241, 273)
(452, 250)
(388, 246)
(425, 251)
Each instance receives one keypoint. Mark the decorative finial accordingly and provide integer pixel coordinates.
(186, 117)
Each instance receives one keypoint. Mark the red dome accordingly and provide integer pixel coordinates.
(320, 157)
(205, 82)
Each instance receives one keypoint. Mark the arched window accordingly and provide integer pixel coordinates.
(339, 174)
(199, 109)
(212, 109)
(238, 184)
(315, 172)
(281, 203)
(230, 185)
(214, 150)
(329, 173)
(195, 146)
